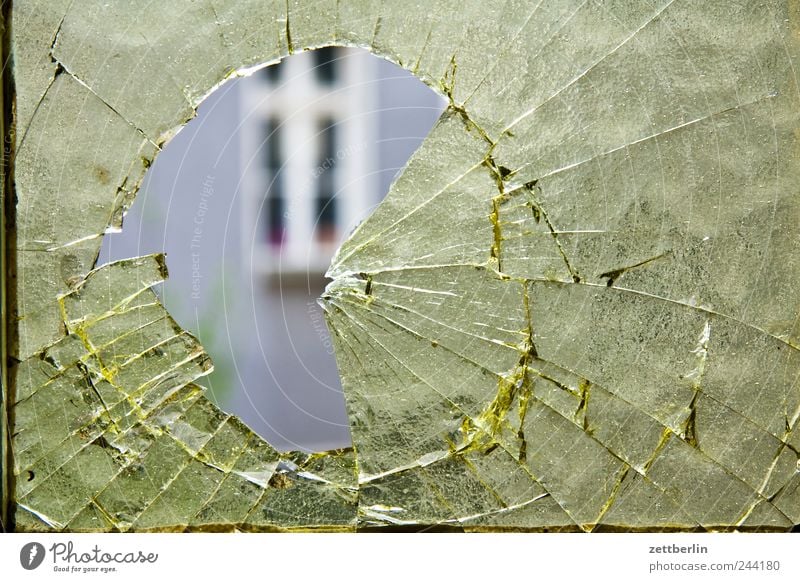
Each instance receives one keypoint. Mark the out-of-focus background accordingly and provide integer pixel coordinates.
(250, 200)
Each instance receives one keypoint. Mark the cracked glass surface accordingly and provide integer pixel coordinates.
(577, 308)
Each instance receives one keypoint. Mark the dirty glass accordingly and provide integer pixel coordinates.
(577, 308)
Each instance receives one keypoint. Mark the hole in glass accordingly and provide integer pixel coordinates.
(250, 201)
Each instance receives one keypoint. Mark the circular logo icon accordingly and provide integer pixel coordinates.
(31, 555)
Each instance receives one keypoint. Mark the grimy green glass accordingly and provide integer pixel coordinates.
(577, 308)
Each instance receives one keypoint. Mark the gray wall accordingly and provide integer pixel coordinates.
(274, 365)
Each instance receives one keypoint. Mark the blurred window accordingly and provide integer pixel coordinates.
(273, 72)
(275, 204)
(326, 66)
(325, 219)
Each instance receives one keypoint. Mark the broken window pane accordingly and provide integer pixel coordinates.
(254, 312)
(576, 309)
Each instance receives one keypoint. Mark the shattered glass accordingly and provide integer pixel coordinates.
(577, 308)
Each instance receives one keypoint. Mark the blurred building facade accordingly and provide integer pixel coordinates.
(311, 173)
(250, 200)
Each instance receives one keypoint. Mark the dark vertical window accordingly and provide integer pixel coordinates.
(274, 138)
(326, 65)
(276, 225)
(273, 72)
(326, 183)
(275, 203)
